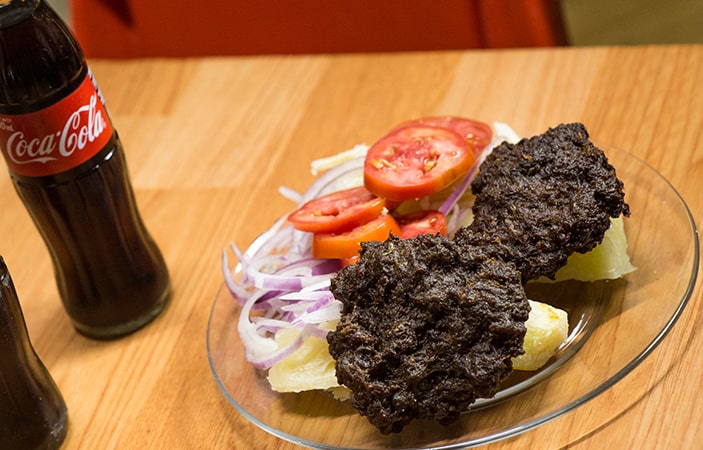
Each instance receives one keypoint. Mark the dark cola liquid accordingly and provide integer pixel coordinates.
(33, 414)
(111, 276)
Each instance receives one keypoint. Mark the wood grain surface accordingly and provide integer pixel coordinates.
(209, 141)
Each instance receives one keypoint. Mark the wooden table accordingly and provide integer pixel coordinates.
(208, 139)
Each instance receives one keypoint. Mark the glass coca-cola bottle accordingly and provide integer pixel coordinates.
(33, 414)
(68, 167)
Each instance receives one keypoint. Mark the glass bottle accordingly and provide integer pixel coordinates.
(33, 414)
(68, 167)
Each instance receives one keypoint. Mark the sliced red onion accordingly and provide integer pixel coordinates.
(460, 190)
(321, 312)
(288, 288)
(312, 266)
(290, 194)
(264, 362)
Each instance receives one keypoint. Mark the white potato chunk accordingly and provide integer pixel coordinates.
(607, 261)
(547, 328)
(309, 367)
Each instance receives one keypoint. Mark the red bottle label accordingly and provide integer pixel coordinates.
(59, 137)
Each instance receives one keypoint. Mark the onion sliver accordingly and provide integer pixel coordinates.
(279, 285)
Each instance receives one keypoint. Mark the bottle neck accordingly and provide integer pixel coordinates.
(14, 11)
(40, 60)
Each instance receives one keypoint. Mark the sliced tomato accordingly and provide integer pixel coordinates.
(338, 211)
(348, 244)
(416, 161)
(479, 134)
(422, 222)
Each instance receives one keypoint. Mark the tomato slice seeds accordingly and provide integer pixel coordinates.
(416, 161)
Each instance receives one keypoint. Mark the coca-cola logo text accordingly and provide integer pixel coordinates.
(83, 126)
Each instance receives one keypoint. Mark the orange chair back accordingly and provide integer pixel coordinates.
(181, 28)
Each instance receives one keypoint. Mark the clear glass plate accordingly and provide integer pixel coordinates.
(614, 326)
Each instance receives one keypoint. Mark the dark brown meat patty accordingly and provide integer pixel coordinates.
(544, 198)
(427, 327)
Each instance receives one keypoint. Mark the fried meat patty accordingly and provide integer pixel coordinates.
(429, 324)
(427, 327)
(544, 198)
